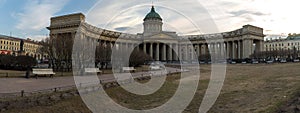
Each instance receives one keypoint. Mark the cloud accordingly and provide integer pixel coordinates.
(37, 13)
(122, 28)
(36, 37)
(210, 16)
(113, 15)
(246, 12)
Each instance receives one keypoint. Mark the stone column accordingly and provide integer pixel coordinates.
(197, 50)
(151, 50)
(228, 49)
(126, 46)
(157, 52)
(170, 53)
(239, 49)
(243, 49)
(247, 51)
(222, 50)
(186, 52)
(164, 55)
(261, 45)
(204, 49)
(200, 49)
(233, 50)
(176, 52)
(111, 44)
(121, 46)
(180, 52)
(216, 50)
(212, 48)
(132, 46)
(191, 52)
(145, 48)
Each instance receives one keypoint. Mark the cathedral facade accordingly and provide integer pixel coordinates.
(162, 45)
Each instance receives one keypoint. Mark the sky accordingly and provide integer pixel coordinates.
(29, 18)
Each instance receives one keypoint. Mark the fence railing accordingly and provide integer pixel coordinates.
(24, 93)
(11, 74)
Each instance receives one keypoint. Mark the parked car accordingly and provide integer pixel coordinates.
(157, 65)
(255, 62)
(269, 61)
(283, 61)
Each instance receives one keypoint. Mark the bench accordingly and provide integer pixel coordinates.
(48, 71)
(128, 69)
(155, 68)
(92, 70)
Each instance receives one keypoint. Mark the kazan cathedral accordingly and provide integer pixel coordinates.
(163, 45)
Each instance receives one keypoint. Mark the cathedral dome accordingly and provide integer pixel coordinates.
(152, 15)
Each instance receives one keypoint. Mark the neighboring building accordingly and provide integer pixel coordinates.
(9, 45)
(292, 42)
(31, 48)
(284, 48)
(238, 44)
(17, 46)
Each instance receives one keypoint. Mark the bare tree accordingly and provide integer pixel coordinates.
(138, 57)
(59, 50)
(103, 54)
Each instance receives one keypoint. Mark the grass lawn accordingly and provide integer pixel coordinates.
(247, 88)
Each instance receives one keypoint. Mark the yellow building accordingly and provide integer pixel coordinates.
(17, 46)
(31, 48)
(9, 45)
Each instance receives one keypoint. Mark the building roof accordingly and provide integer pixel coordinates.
(294, 37)
(9, 37)
(152, 15)
(18, 39)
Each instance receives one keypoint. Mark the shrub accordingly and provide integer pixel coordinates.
(16, 62)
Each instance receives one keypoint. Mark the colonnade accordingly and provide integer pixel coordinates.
(229, 49)
(233, 49)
